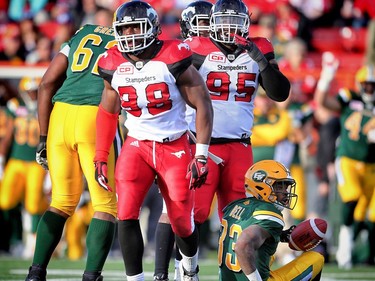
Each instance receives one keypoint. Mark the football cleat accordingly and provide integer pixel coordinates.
(161, 277)
(92, 277)
(188, 275)
(36, 273)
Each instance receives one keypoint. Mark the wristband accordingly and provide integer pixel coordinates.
(254, 276)
(2, 158)
(42, 138)
(323, 85)
(201, 149)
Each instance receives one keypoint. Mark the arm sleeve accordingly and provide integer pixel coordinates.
(106, 126)
(276, 85)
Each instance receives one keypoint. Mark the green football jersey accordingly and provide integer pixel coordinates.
(239, 215)
(357, 128)
(25, 131)
(85, 49)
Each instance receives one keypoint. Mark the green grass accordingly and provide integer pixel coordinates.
(62, 269)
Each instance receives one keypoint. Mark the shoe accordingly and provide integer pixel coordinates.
(36, 273)
(92, 277)
(188, 275)
(177, 275)
(344, 249)
(161, 277)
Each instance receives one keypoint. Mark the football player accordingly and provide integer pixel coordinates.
(233, 65)
(195, 21)
(23, 178)
(355, 154)
(68, 100)
(251, 229)
(153, 80)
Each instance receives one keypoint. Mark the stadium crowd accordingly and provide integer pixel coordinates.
(302, 34)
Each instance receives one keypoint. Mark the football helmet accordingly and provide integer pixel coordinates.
(192, 15)
(365, 79)
(138, 15)
(229, 17)
(29, 84)
(28, 87)
(267, 179)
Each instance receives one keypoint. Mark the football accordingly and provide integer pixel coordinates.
(308, 234)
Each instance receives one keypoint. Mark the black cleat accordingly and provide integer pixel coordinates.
(92, 276)
(161, 277)
(36, 273)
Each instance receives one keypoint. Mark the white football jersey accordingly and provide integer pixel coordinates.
(148, 92)
(232, 82)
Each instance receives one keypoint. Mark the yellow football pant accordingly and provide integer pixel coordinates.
(70, 151)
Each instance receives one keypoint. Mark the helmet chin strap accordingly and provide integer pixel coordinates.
(279, 207)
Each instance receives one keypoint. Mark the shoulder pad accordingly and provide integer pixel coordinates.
(174, 51)
(201, 45)
(110, 58)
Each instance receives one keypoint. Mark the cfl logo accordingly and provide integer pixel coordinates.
(218, 58)
(259, 176)
(124, 70)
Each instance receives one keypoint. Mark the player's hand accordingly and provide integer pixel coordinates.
(41, 152)
(197, 172)
(329, 66)
(101, 170)
(252, 50)
(285, 234)
(2, 166)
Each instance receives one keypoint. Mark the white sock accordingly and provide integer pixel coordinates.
(189, 263)
(138, 277)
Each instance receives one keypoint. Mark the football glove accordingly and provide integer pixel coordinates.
(101, 170)
(252, 50)
(197, 172)
(1, 167)
(330, 65)
(41, 152)
(285, 234)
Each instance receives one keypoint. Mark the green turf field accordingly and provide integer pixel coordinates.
(61, 270)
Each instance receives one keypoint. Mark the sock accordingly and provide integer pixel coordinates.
(98, 242)
(189, 250)
(164, 240)
(34, 222)
(49, 233)
(190, 263)
(132, 246)
(138, 277)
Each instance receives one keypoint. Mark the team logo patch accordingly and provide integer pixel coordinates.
(259, 176)
(125, 70)
(183, 45)
(217, 58)
(179, 154)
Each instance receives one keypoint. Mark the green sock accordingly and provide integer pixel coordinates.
(49, 233)
(98, 242)
(34, 222)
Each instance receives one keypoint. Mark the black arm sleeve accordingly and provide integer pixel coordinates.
(276, 85)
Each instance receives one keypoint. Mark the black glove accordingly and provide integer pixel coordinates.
(41, 152)
(101, 175)
(285, 234)
(252, 50)
(197, 172)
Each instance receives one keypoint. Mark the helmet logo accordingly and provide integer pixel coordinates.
(259, 176)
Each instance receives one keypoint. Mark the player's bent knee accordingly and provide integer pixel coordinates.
(182, 228)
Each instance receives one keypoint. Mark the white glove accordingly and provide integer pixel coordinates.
(330, 65)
